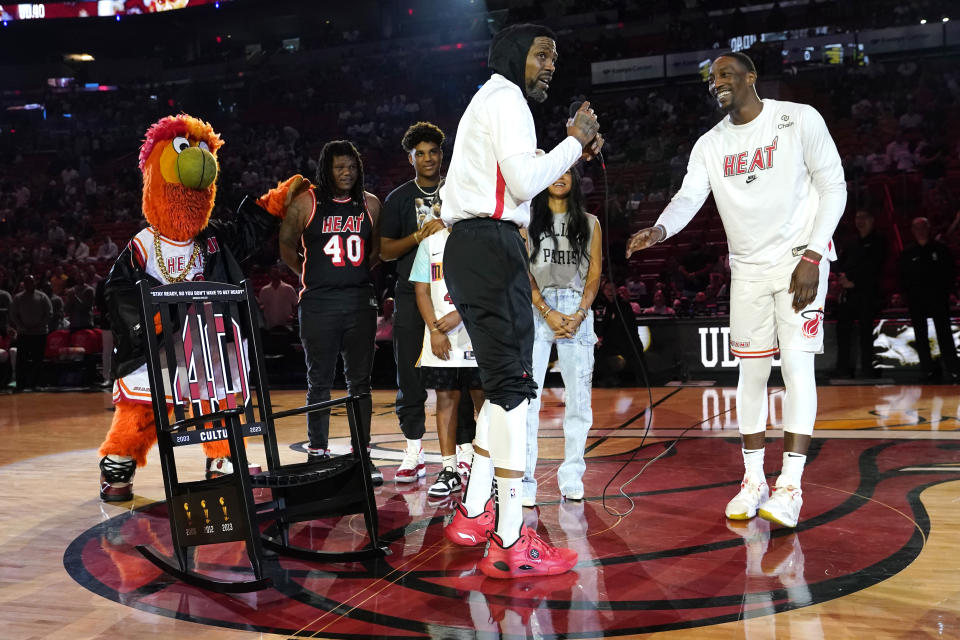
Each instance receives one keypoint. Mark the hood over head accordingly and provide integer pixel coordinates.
(509, 49)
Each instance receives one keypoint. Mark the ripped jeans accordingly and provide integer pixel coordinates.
(576, 367)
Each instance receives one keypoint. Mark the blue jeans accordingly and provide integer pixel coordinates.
(576, 367)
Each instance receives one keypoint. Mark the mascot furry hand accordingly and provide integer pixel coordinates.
(178, 160)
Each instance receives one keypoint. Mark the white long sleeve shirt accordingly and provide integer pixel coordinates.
(495, 170)
(778, 184)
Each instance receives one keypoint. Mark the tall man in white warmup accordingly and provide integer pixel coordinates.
(778, 183)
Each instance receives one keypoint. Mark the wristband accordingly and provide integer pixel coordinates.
(582, 312)
(663, 230)
(434, 330)
(810, 260)
(546, 312)
(416, 236)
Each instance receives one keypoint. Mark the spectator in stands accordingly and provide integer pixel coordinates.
(899, 155)
(659, 307)
(695, 266)
(877, 161)
(278, 300)
(927, 277)
(57, 238)
(859, 269)
(81, 251)
(30, 314)
(636, 287)
(616, 328)
(78, 306)
(108, 250)
(5, 301)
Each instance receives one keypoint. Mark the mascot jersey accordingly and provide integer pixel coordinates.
(428, 267)
(175, 257)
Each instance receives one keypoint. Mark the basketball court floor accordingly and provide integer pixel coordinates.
(874, 556)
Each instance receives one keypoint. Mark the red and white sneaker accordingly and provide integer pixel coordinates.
(412, 467)
(529, 555)
(745, 504)
(783, 507)
(470, 532)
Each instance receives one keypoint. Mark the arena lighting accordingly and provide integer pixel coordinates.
(923, 21)
(946, 20)
(78, 57)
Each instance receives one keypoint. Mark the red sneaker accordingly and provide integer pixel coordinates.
(470, 532)
(530, 555)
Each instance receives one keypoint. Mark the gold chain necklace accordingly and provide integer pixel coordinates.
(163, 267)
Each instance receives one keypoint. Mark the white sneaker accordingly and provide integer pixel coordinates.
(783, 507)
(745, 504)
(464, 459)
(412, 468)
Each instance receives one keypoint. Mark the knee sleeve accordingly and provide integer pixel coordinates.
(482, 437)
(508, 436)
(752, 394)
(800, 401)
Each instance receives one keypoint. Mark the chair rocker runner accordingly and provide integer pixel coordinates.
(203, 351)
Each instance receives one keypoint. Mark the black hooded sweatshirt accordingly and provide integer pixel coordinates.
(509, 49)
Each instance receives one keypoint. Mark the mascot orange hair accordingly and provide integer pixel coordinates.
(178, 160)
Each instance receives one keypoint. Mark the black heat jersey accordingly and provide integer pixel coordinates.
(336, 245)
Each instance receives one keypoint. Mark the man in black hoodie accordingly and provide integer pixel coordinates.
(494, 173)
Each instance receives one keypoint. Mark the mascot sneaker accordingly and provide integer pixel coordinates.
(745, 504)
(116, 478)
(783, 507)
(217, 467)
(412, 467)
(470, 532)
(529, 555)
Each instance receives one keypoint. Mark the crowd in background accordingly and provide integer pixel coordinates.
(70, 189)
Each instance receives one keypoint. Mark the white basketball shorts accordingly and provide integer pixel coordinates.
(762, 319)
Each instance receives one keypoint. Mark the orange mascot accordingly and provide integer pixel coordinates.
(178, 160)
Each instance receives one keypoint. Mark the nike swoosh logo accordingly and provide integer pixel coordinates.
(751, 179)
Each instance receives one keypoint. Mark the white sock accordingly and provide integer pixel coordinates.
(449, 462)
(479, 487)
(753, 464)
(792, 469)
(509, 509)
(465, 450)
(414, 446)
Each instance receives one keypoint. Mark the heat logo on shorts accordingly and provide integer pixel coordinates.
(811, 327)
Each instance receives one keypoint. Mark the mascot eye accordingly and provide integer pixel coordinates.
(180, 143)
(203, 145)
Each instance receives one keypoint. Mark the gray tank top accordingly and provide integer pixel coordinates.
(557, 265)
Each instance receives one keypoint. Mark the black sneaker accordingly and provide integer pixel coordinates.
(116, 479)
(447, 482)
